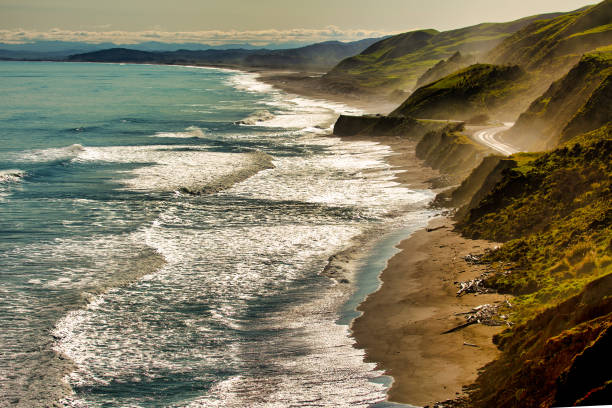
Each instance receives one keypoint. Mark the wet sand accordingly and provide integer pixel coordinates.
(402, 323)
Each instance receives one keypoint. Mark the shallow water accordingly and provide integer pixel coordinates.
(163, 234)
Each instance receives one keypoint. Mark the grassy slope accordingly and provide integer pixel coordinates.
(446, 67)
(554, 211)
(479, 88)
(579, 102)
(398, 61)
(553, 46)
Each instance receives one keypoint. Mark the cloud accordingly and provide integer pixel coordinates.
(211, 37)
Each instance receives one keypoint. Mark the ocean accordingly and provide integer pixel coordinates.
(163, 236)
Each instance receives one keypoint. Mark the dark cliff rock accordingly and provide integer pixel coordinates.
(451, 152)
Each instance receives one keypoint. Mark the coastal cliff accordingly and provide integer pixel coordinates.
(451, 152)
(554, 213)
(577, 103)
(379, 125)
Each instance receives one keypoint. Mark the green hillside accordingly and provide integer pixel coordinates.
(554, 212)
(478, 89)
(445, 67)
(398, 61)
(553, 46)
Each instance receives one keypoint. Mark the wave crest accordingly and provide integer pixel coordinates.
(258, 161)
(190, 132)
(11, 176)
(256, 118)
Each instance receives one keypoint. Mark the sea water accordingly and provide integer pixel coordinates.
(163, 232)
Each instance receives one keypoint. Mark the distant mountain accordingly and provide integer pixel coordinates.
(63, 49)
(398, 61)
(320, 56)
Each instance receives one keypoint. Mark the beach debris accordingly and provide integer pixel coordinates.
(473, 259)
(476, 285)
(435, 229)
(465, 343)
(486, 314)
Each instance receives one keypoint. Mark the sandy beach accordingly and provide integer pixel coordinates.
(402, 323)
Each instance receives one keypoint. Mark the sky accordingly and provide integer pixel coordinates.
(251, 21)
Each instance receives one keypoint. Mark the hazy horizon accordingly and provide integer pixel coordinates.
(257, 23)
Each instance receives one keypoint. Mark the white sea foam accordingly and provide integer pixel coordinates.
(291, 111)
(166, 168)
(351, 173)
(257, 118)
(11, 176)
(51, 154)
(249, 82)
(190, 132)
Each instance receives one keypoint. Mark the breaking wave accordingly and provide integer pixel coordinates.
(11, 176)
(256, 118)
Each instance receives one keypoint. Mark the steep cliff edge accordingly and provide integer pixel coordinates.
(451, 152)
(476, 186)
(377, 125)
(577, 103)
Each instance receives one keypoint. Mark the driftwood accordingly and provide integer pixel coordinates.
(435, 229)
(484, 314)
(473, 259)
(472, 286)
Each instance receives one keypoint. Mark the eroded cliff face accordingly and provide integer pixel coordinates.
(476, 186)
(451, 152)
(577, 103)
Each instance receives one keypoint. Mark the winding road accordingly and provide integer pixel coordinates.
(489, 137)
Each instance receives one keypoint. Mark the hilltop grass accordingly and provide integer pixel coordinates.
(550, 47)
(595, 30)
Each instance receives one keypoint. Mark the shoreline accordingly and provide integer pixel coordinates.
(414, 305)
(416, 296)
